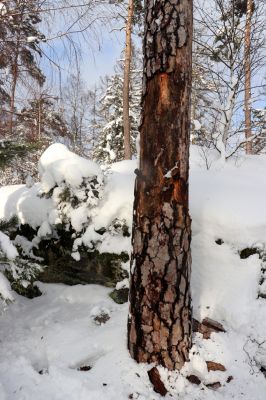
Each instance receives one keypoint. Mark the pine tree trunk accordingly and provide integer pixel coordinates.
(159, 325)
(248, 132)
(126, 120)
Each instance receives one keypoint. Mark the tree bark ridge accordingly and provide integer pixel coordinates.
(159, 326)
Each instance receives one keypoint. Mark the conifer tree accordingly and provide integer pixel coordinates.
(110, 147)
(19, 47)
(259, 130)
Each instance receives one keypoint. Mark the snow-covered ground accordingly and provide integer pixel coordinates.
(46, 340)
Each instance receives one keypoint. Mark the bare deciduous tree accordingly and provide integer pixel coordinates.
(247, 107)
(222, 45)
(77, 103)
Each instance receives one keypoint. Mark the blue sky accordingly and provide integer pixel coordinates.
(94, 62)
(101, 62)
(99, 51)
(99, 54)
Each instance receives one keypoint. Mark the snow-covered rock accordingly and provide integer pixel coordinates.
(58, 164)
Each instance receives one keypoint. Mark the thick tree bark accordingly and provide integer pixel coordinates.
(159, 325)
(126, 119)
(248, 133)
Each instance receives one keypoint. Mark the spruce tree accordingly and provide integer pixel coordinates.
(259, 130)
(110, 147)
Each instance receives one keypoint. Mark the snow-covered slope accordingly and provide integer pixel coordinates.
(44, 341)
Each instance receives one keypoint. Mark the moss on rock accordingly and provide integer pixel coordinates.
(93, 267)
(60, 267)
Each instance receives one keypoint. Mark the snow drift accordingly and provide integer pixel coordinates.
(55, 334)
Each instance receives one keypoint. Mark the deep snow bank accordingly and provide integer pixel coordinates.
(227, 202)
(55, 334)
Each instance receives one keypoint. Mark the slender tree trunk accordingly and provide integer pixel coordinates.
(39, 118)
(159, 325)
(248, 133)
(126, 120)
(13, 88)
(94, 116)
(193, 114)
(227, 115)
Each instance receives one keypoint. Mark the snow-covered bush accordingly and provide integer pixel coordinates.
(77, 201)
(21, 273)
(6, 295)
(75, 209)
(75, 187)
(7, 251)
(7, 248)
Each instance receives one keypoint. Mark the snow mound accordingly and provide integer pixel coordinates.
(227, 206)
(7, 247)
(5, 289)
(118, 195)
(25, 203)
(75, 193)
(116, 205)
(229, 199)
(58, 164)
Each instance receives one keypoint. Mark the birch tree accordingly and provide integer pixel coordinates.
(247, 107)
(232, 61)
